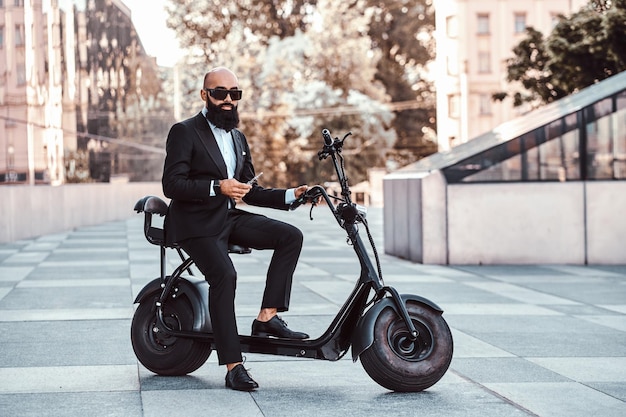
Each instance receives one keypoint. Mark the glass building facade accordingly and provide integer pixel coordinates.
(589, 144)
(579, 138)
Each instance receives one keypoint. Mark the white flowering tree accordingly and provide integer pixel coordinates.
(304, 65)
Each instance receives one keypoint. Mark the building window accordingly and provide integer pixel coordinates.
(600, 140)
(20, 73)
(453, 106)
(482, 24)
(451, 66)
(484, 62)
(553, 154)
(452, 27)
(19, 35)
(484, 104)
(520, 22)
(619, 137)
(1, 36)
(18, 3)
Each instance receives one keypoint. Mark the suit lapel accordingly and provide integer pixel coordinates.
(239, 151)
(210, 144)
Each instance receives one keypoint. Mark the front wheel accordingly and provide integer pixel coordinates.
(161, 353)
(399, 364)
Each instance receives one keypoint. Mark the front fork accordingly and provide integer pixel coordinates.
(413, 333)
(367, 272)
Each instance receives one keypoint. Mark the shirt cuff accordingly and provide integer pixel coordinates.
(290, 196)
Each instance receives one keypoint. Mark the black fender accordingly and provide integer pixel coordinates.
(363, 335)
(196, 291)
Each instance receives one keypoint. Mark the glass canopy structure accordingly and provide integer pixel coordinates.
(579, 138)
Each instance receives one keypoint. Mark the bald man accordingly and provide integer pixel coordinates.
(208, 169)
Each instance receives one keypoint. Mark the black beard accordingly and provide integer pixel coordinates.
(224, 119)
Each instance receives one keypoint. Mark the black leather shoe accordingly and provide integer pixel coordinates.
(239, 379)
(276, 327)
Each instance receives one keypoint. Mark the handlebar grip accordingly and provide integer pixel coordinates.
(328, 140)
(298, 202)
(311, 195)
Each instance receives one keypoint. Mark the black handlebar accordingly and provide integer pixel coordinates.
(312, 195)
(328, 140)
(346, 212)
(332, 147)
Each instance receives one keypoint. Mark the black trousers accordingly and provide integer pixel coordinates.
(210, 255)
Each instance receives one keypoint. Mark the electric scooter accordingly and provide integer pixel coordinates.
(403, 341)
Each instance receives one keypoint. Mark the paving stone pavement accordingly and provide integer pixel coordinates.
(534, 340)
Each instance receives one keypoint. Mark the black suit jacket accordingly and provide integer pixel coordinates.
(193, 159)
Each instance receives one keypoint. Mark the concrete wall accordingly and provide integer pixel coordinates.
(606, 223)
(516, 223)
(414, 214)
(431, 222)
(31, 211)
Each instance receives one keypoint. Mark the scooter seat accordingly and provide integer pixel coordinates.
(151, 204)
(154, 205)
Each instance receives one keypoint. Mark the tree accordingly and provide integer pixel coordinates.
(203, 25)
(238, 35)
(581, 50)
(530, 68)
(329, 70)
(403, 32)
(305, 65)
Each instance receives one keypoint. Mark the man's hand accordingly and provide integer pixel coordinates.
(235, 189)
(301, 190)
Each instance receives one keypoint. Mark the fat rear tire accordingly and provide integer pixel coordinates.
(164, 354)
(398, 364)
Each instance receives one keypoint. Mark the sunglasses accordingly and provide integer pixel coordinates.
(221, 93)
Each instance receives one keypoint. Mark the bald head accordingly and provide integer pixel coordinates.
(220, 77)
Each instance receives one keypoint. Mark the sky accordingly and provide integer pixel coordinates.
(157, 39)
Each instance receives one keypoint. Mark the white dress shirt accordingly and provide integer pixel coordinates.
(225, 142)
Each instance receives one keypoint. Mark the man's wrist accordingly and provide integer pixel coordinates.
(216, 187)
(290, 195)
